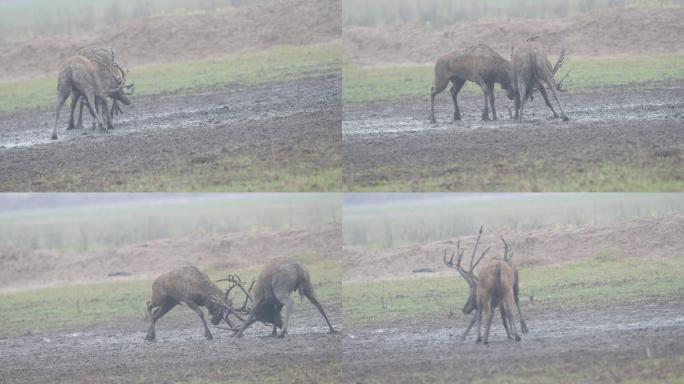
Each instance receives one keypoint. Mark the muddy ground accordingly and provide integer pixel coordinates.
(117, 353)
(633, 128)
(176, 141)
(599, 344)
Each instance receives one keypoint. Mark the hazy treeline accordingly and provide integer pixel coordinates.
(94, 227)
(406, 222)
(445, 12)
(22, 19)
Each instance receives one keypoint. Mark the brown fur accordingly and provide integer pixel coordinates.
(105, 57)
(479, 64)
(530, 70)
(186, 285)
(279, 278)
(494, 290)
(82, 77)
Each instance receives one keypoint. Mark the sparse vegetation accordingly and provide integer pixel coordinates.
(438, 218)
(107, 227)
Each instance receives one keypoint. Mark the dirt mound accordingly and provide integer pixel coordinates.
(642, 238)
(24, 269)
(600, 33)
(173, 38)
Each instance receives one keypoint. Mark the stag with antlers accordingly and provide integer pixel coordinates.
(491, 288)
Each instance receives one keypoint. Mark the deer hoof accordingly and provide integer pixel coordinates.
(565, 118)
(53, 137)
(517, 338)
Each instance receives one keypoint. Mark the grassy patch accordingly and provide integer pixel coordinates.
(363, 85)
(571, 286)
(641, 173)
(86, 305)
(248, 69)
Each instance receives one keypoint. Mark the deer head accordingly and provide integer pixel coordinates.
(467, 274)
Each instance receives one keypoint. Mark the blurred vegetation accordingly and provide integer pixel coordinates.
(437, 13)
(431, 219)
(96, 227)
(25, 19)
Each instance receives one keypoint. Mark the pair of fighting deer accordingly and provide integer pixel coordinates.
(528, 71)
(90, 78)
(277, 281)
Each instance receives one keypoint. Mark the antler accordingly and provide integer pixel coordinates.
(508, 253)
(469, 274)
(236, 281)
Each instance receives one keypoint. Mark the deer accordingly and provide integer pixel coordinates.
(106, 58)
(276, 282)
(496, 285)
(93, 80)
(531, 71)
(479, 64)
(189, 286)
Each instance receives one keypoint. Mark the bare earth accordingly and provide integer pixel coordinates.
(289, 126)
(28, 269)
(597, 343)
(252, 26)
(643, 238)
(610, 130)
(598, 33)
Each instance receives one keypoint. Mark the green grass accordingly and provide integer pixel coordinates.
(572, 286)
(363, 85)
(249, 69)
(86, 305)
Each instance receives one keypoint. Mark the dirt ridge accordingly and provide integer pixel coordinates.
(600, 33)
(644, 238)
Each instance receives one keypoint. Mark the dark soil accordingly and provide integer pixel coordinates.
(202, 140)
(636, 131)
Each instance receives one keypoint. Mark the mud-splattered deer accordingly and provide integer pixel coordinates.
(531, 70)
(479, 64)
(190, 286)
(277, 281)
(495, 286)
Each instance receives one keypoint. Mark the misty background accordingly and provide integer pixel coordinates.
(436, 13)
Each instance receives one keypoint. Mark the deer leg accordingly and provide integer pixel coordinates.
(199, 313)
(504, 319)
(456, 86)
(250, 320)
(61, 99)
(472, 322)
(542, 90)
(511, 321)
(551, 85)
(90, 98)
(488, 325)
(523, 96)
(490, 89)
(318, 305)
(485, 110)
(478, 315)
(288, 305)
(160, 311)
(440, 85)
(74, 102)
